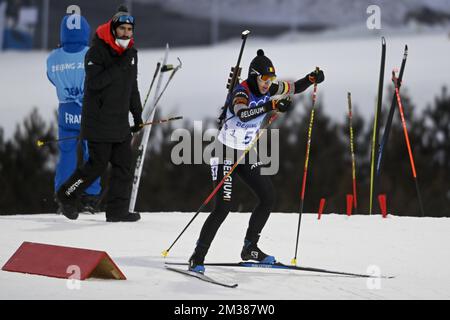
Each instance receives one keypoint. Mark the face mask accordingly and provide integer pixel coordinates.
(123, 42)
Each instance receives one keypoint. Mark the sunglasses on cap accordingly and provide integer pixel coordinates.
(126, 19)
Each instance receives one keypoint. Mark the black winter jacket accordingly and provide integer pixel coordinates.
(110, 93)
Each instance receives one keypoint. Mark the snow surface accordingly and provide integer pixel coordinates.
(415, 250)
(350, 59)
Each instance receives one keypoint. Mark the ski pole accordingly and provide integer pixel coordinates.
(408, 144)
(352, 149)
(158, 65)
(161, 121)
(376, 122)
(164, 68)
(387, 128)
(174, 70)
(308, 146)
(219, 185)
(41, 143)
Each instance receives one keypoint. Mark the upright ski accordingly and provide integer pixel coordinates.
(376, 123)
(143, 145)
(202, 277)
(387, 128)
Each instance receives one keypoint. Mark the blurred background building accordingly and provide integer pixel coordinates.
(26, 24)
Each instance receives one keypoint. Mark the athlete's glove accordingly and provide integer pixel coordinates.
(284, 104)
(316, 76)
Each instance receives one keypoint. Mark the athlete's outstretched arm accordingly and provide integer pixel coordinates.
(290, 87)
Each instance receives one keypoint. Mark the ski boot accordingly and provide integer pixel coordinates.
(127, 217)
(89, 203)
(68, 208)
(196, 261)
(250, 251)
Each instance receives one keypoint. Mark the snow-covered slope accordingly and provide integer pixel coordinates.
(198, 90)
(415, 250)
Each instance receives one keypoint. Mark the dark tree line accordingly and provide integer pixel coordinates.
(26, 171)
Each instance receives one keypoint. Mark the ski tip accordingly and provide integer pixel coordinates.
(165, 253)
(383, 41)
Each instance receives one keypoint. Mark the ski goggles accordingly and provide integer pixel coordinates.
(126, 19)
(267, 78)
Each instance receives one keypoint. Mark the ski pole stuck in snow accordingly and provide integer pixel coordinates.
(352, 149)
(387, 127)
(172, 74)
(305, 171)
(158, 68)
(408, 144)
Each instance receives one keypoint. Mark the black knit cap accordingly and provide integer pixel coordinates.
(116, 21)
(261, 65)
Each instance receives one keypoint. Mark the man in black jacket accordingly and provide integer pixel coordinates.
(110, 93)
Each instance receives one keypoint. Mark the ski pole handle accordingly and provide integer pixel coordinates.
(167, 67)
(244, 34)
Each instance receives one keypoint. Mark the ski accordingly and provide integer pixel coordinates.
(202, 277)
(279, 265)
(376, 123)
(144, 142)
(387, 128)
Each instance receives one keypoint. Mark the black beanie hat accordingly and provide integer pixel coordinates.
(121, 11)
(261, 65)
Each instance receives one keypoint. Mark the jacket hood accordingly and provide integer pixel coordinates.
(72, 35)
(105, 34)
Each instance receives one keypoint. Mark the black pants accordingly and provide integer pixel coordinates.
(100, 153)
(263, 189)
